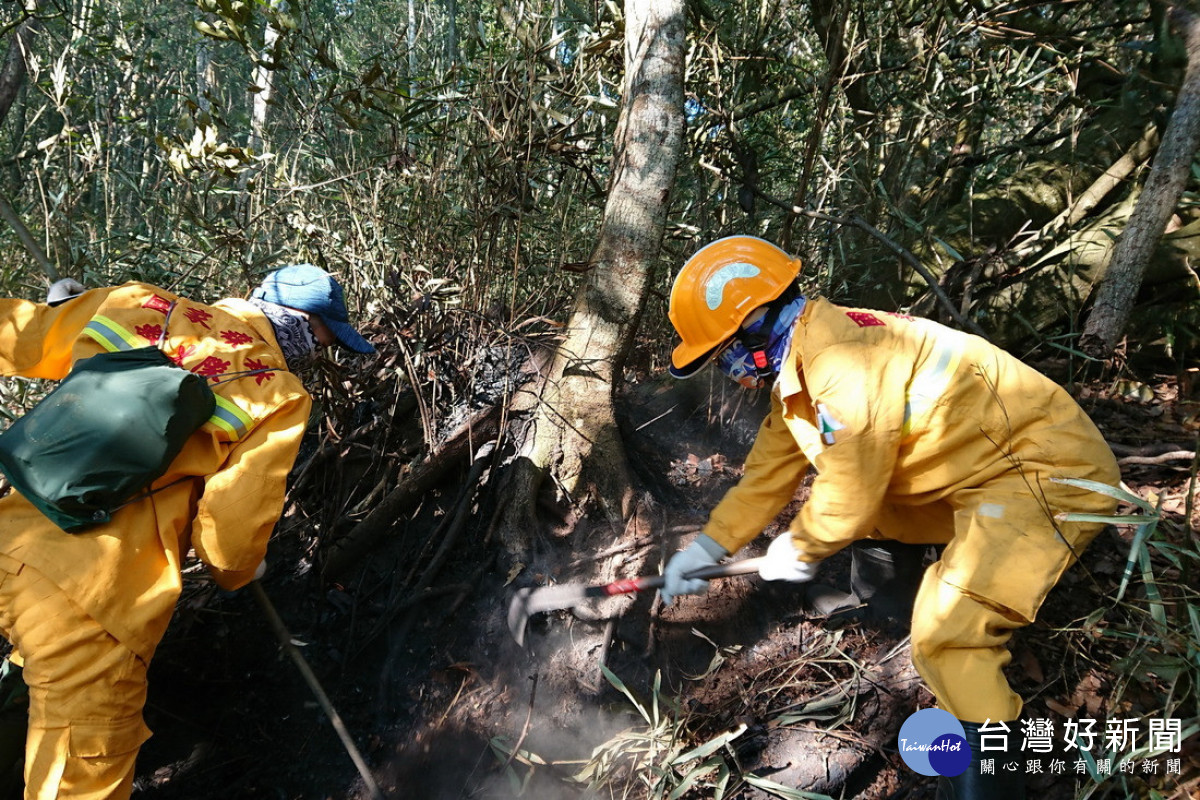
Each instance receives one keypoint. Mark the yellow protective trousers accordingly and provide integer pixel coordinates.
(1005, 536)
(86, 692)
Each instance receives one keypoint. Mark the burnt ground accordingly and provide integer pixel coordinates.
(444, 705)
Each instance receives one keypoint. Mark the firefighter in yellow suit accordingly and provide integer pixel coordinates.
(85, 611)
(918, 434)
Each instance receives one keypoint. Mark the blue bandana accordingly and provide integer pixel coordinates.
(737, 361)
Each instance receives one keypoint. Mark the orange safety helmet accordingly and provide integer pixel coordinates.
(717, 289)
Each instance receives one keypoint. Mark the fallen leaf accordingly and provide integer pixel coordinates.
(1087, 694)
(1033, 669)
(1061, 708)
(514, 572)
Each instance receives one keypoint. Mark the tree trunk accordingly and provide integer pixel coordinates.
(831, 22)
(410, 41)
(452, 55)
(12, 73)
(574, 433)
(1168, 176)
(263, 88)
(12, 78)
(204, 76)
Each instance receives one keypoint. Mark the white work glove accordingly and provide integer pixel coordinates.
(704, 552)
(782, 562)
(260, 570)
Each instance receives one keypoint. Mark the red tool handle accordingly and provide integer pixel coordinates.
(630, 585)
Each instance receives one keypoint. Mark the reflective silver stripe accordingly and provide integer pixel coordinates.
(231, 419)
(111, 336)
(928, 386)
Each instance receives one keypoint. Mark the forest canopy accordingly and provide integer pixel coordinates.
(1002, 144)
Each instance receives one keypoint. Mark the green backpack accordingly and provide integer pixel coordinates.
(104, 434)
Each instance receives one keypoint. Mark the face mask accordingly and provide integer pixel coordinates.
(738, 363)
(737, 360)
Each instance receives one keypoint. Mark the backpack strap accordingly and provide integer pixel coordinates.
(162, 335)
(226, 377)
(148, 492)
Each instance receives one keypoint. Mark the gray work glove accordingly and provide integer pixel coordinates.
(782, 562)
(704, 552)
(63, 290)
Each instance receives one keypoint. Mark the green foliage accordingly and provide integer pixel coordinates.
(1154, 637)
(384, 165)
(480, 150)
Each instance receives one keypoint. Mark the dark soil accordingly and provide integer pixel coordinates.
(436, 693)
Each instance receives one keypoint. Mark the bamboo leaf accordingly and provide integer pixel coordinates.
(690, 779)
(1114, 492)
(209, 30)
(623, 689)
(1113, 519)
(711, 746)
(1130, 562)
(1089, 762)
(779, 790)
(946, 246)
(1158, 611)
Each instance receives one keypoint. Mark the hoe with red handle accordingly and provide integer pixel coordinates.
(534, 600)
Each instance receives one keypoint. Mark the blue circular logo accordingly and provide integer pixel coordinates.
(933, 742)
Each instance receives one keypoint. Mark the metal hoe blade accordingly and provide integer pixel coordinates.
(536, 599)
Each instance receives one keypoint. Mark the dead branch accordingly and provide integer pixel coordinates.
(459, 446)
(1174, 455)
(1094, 194)
(856, 221)
(12, 78)
(1156, 449)
(285, 640)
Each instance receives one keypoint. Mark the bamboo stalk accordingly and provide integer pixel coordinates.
(285, 639)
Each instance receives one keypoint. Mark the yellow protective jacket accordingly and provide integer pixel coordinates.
(903, 420)
(225, 489)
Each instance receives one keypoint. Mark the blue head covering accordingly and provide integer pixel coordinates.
(311, 289)
(737, 360)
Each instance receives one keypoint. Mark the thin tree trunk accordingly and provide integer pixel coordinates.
(9, 215)
(411, 45)
(264, 83)
(831, 20)
(1168, 176)
(12, 74)
(204, 74)
(574, 428)
(452, 56)
(12, 78)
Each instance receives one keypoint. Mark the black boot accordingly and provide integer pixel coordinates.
(884, 578)
(14, 721)
(1006, 778)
